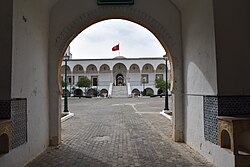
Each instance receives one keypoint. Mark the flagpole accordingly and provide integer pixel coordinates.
(119, 49)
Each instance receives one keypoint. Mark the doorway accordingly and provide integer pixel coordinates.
(120, 80)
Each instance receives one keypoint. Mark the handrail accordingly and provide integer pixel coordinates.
(129, 89)
(110, 89)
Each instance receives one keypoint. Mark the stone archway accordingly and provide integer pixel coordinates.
(119, 74)
(168, 36)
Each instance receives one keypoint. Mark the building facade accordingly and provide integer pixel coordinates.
(117, 77)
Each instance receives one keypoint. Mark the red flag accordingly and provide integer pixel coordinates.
(115, 48)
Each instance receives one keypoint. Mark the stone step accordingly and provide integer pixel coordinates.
(119, 91)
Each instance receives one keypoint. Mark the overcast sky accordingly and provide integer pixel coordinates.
(97, 41)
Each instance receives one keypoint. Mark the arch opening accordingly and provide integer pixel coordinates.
(120, 74)
(134, 68)
(120, 80)
(4, 143)
(225, 139)
(104, 68)
(92, 92)
(136, 92)
(160, 91)
(63, 69)
(91, 69)
(78, 69)
(104, 93)
(78, 92)
(148, 69)
(149, 92)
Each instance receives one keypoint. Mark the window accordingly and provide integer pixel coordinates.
(159, 76)
(69, 80)
(144, 78)
(94, 80)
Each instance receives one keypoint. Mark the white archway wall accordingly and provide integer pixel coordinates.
(34, 20)
(200, 75)
(29, 76)
(164, 22)
(6, 8)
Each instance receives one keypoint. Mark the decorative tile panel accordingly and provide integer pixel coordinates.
(5, 109)
(234, 105)
(19, 121)
(210, 104)
(215, 106)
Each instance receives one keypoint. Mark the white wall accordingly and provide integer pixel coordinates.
(30, 77)
(200, 76)
(233, 46)
(6, 12)
(199, 48)
(195, 134)
(104, 79)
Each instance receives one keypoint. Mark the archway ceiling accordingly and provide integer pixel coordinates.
(180, 4)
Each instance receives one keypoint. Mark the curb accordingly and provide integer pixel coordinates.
(166, 115)
(67, 117)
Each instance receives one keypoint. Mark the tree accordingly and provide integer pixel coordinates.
(161, 84)
(84, 82)
(63, 83)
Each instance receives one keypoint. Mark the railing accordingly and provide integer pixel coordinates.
(129, 89)
(110, 89)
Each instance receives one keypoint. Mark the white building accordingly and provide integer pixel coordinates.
(117, 77)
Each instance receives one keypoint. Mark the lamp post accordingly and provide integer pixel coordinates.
(66, 58)
(166, 109)
(143, 84)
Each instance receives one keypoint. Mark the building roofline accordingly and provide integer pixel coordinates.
(105, 59)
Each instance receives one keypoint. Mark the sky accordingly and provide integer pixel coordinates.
(97, 41)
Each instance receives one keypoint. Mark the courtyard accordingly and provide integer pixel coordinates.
(118, 132)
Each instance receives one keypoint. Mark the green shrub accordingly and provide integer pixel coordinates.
(63, 114)
(149, 94)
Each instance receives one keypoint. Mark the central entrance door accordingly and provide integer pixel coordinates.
(119, 80)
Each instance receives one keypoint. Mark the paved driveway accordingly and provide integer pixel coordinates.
(118, 132)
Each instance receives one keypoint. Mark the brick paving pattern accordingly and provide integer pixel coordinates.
(118, 133)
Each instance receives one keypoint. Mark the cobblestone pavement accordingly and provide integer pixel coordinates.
(118, 132)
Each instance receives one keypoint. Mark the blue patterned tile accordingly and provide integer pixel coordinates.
(5, 109)
(19, 122)
(214, 106)
(210, 118)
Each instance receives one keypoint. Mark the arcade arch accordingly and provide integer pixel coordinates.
(136, 92)
(104, 68)
(147, 68)
(168, 36)
(149, 91)
(63, 69)
(78, 69)
(134, 68)
(78, 92)
(161, 68)
(91, 69)
(104, 93)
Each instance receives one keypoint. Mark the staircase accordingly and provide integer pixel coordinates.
(119, 91)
